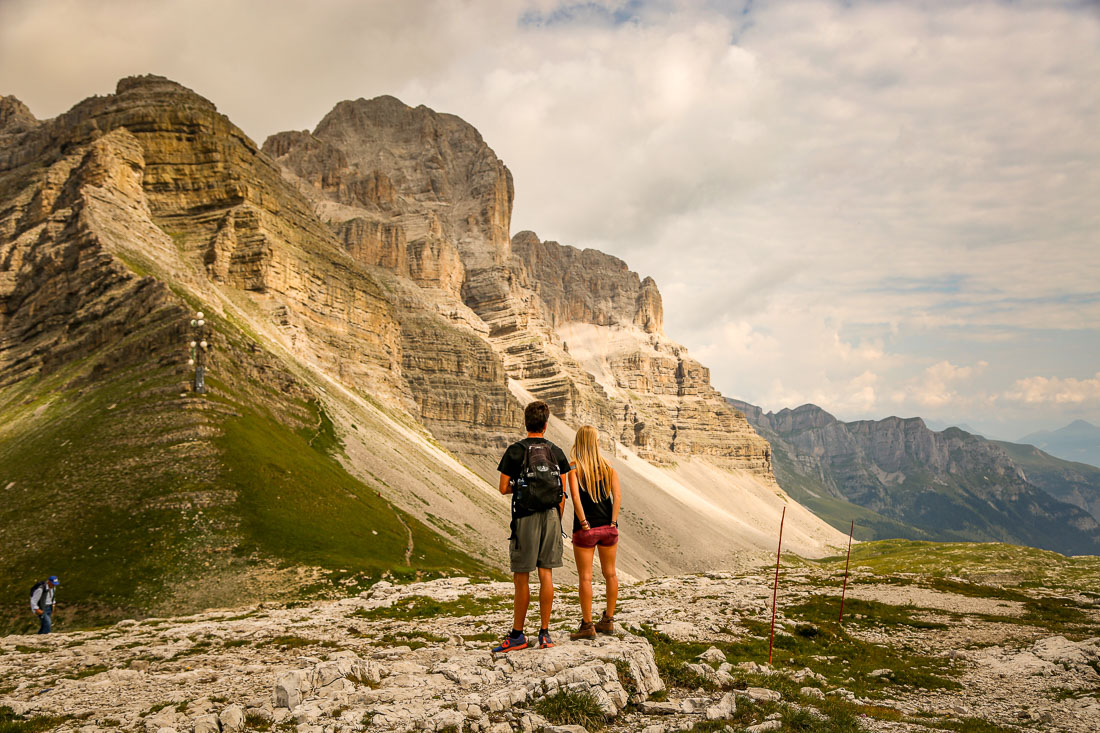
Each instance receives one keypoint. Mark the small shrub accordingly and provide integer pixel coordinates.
(257, 722)
(565, 707)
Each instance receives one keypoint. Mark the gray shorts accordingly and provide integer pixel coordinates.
(537, 542)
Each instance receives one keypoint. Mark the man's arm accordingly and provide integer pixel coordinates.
(505, 484)
(35, 598)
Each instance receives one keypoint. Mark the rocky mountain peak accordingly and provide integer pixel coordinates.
(588, 286)
(15, 116)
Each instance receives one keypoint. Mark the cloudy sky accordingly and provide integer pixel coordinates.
(879, 207)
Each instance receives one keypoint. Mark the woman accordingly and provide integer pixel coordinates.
(596, 501)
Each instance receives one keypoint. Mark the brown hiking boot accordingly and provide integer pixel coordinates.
(606, 624)
(587, 630)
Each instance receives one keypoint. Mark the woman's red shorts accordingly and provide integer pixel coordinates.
(603, 536)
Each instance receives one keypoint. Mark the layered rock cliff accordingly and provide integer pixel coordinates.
(420, 194)
(945, 485)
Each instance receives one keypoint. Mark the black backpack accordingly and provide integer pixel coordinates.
(40, 584)
(538, 486)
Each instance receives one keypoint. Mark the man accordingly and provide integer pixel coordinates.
(42, 599)
(533, 472)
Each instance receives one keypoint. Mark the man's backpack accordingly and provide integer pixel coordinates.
(538, 486)
(40, 584)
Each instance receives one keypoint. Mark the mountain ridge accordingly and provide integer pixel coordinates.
(1079, 441)
(923, 484)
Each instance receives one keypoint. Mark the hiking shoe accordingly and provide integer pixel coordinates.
(544, 640)
(587, 630)
(606, 624)
(510, 645)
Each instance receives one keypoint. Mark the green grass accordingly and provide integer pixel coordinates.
(297, 642)
(417, 607)
(10, 722)
(411, 639)
(821, 609)
(280, 478)
(977, 562)
(566, 707)
(829, 650)
(127, 492)
(254, 721)
(87, 672)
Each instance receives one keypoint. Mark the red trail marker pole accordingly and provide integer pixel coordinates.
(775, 588)
(845, 590)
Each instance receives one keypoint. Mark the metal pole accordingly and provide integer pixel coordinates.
(844, 591)
(775, 589)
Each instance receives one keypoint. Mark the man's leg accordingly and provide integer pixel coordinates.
(546, 596)
(522, 599)
(44, 621)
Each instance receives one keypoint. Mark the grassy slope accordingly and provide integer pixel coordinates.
(1077, 483)
(128, 492)
(811, 493)
(994, 562)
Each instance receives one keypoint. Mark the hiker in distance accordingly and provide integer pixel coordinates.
(533, 471)
(596, 499)
(42, 601)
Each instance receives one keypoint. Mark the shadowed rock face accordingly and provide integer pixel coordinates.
(949, 484)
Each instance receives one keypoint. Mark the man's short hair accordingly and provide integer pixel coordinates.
(535, 416)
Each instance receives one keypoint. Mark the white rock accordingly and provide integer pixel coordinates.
(289, 689)
(765, 726)
(724, 708)
(232, 718)
(812, 692)
(713, 655)
(762, 694)
(206, 724)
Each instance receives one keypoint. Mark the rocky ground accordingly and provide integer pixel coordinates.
(915, 653)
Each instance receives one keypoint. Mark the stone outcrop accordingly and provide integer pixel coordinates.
(587, 286)
(366, 663)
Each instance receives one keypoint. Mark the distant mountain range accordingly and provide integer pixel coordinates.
(897, 478)
(1079, 441)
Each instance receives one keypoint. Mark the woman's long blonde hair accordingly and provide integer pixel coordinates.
(593, 472)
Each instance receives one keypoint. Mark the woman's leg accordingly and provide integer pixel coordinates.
(607, 565)
(583, 556)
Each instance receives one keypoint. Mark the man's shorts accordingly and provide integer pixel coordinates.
(607, 536)
(537, 542)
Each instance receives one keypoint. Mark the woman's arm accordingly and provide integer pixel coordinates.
(574, 494)
(616, 497)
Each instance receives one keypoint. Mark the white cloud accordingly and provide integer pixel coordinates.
(836, 198)
(1046, 390)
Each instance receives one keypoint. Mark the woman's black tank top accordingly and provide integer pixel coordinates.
(598, 513)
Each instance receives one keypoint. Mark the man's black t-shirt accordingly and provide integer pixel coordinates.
(511, 463)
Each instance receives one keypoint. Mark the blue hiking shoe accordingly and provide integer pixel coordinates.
(544, 640)
(510, 645)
